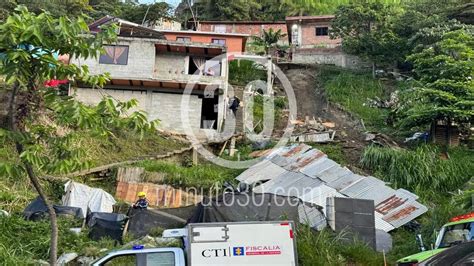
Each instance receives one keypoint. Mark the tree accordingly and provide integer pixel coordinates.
(445, 73)
(367, 31)
(143, 12)
(268, 39)
(43, 125)
(231, 10)
(70, 8)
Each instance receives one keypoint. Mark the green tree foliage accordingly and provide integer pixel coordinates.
(268, 39)
(42, 124)
(231, 10)
(367, 31)
(151, 13)
(70, 8)
(446, 92)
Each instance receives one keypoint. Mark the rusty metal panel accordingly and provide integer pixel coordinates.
(405, 213)
(310, 175)
(157, 195)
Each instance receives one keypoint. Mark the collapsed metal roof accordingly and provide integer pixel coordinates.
(307, 173)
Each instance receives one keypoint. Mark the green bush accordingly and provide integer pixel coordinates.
(241, 72)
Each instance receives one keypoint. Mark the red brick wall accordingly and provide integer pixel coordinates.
(309, 38)
(232, 43)
(251, 29)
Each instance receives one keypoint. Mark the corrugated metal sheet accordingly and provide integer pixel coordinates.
(405, 213)
(300, 169)
(289, 184)
(362, 187)
(381, 224)
(318, 166)
(265, 170)
(319, 195)
(157, 195)
(312, 217)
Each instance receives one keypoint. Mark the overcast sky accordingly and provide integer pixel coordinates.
(174, 3)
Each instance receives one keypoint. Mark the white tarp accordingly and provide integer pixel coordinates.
(82, 196)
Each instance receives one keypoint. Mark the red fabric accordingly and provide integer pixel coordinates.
(55, 82)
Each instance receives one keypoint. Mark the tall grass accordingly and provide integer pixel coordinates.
(328, 248)
(204, 176)
(22, 242)
(279, 103)
(352, 90)
(421, 169)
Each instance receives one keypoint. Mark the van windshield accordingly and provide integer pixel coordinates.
(456, 234)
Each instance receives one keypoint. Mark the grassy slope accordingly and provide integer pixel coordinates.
(434, 180)
(15, 194)
(351, 90)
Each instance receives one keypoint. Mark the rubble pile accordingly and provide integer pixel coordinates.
(312, 130)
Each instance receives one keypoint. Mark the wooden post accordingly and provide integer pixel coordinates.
(269, 76)
(232, 147)
(195, 157)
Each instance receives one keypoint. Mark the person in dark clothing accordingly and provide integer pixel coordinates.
(234, 105)
(142, 202)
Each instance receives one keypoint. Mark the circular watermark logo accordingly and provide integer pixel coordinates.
(209, 106)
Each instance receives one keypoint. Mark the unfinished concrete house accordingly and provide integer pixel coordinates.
(157, 72)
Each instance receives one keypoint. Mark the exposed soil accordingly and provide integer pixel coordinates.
(312, 101)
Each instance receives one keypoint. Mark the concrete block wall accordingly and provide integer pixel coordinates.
(171, 65)
(158, 105)
(167, 107)
(328, 57)
(141, 60)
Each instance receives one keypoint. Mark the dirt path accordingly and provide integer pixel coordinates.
(312, 101)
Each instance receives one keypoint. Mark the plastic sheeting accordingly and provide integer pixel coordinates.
(85, 197)
(37, 210)
(144, 221)
(110, 225)
(242, 207)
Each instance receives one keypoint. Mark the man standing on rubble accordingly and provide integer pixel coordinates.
(142, 202)
(234, 105)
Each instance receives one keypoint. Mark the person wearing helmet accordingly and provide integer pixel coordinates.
(142, 202)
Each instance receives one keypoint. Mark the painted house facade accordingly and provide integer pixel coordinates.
(253, 28)
(233, 42)
(311, 32)
(157, 72)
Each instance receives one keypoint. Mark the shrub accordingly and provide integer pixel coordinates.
(241, 72)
